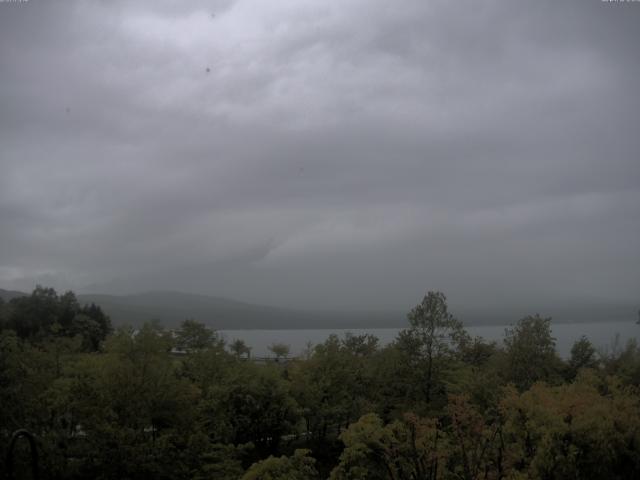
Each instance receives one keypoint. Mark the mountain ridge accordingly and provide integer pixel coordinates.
(170, 307)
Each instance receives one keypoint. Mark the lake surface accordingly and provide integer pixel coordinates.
(602, 334)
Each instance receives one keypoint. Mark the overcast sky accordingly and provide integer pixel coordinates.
(320, 154)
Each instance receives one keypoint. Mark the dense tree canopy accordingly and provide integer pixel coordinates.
(45, 314)
(149, 403)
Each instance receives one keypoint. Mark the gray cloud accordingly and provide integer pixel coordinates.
(314, 154)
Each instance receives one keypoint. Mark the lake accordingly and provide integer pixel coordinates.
(602, 334)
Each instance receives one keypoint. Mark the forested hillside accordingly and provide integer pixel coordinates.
(154, 403)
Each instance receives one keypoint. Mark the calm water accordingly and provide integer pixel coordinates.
(602, 335)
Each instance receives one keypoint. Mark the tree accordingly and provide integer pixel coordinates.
(216, 461)
(333, 387)
(280, 350)
(404, 449)
(43, 314)
(239, 348)
(102, 321)
(140, 382)
(572, 431)
(624, 363)
(474, 445)
(59, 347)
(300, 466)
(360, 345)
(531, 352)
(583, 355)
(25, 372)
(89, 330)
(432, 340)
(208, 368)
(194, 335)
(33, 316)
(135, 410)
(252, 404)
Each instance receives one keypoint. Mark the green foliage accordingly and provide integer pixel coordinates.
(583, 355)
(253, 405)
(25, 373)
(360, 345)
(297, 467)
(333, 387)
(530, 353)
(429, 348)
(624, 363)
(193, 335)
(475, 450)
(403, 449)
(127, 405)
(239, 348)
(572, 431)
(44, 314)
(208, 368)
(280, 350)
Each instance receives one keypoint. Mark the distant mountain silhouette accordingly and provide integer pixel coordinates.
(7, 295)
(172, 307)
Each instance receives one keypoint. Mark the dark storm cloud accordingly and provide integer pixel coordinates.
(322, 154)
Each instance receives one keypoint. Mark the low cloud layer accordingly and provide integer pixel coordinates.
(322, 154)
